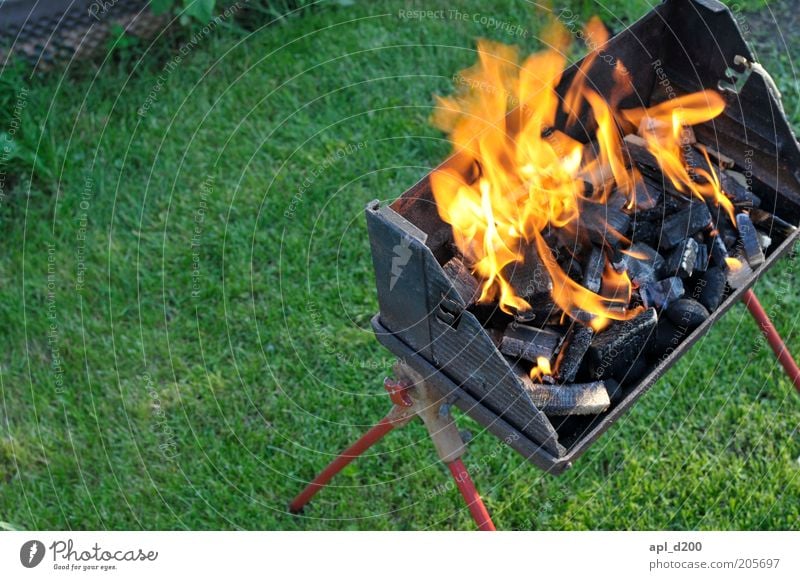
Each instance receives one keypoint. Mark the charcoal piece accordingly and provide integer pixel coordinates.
(665, 338)
(578, 399)
(617, 347)
(570, 358)
(738, 272)
(593, 270)
(615, 391)
(749, 238)
(639, 271)
(543, 311)
(722, 160)
(718, 251)
(635, 373)
(740, 195)
(701, 263)
(646, 196)
(682, 260)
(465, 284)
(645, 232)
(687, 313)
(565, 242)
(529, 343)
(642, 263)
(649, 254)
(725, 228)
(771, 224)
(698, 166)
(684, 223)
(670, 203)
(573, 268)
(638, 154)
(710, 288)
(617, 200)
(662, 293)
(735, 186)
(604, 224)
(529, 277)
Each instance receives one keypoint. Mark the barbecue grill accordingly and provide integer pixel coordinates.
(449, 355)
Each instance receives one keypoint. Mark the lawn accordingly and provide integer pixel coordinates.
(187, 289)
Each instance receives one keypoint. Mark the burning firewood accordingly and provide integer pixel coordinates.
(587, 254)
(620, 345)
(530, 343)
(571, 355)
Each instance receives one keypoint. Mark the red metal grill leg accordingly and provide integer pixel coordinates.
(369, 439)
(772, 336)
(464, 482)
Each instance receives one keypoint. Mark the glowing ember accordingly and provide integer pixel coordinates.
(541, 368)
(513, 175)
(733, 264)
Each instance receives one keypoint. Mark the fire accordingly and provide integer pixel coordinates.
(662, 128)
(513, 175)
(541, 368)
(733, 264)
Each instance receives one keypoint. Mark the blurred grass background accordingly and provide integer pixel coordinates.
(187, 288)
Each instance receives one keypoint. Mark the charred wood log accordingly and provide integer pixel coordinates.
(771, 224)
(578, 399)
(529, 343)
(528, 278)
(617, 347)
(593, 270)
(571, 356)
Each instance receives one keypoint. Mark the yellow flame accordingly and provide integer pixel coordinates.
(541, 368)
(663, 133)
(733, 264)
(512, 175)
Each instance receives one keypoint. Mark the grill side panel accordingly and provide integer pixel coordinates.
(419, 305)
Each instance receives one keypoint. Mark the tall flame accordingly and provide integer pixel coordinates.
(513, 176)
(663, 131)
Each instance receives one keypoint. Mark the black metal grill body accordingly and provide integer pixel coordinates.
(693, 44)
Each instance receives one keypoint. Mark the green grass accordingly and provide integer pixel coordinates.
(160, 395)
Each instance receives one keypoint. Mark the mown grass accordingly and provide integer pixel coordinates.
(218, 349)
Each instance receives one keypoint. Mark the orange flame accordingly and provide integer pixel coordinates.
(663, 127)
(541, 368)
(513, 175)
(733, 264)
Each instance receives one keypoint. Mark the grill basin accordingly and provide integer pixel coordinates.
(682, 46)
